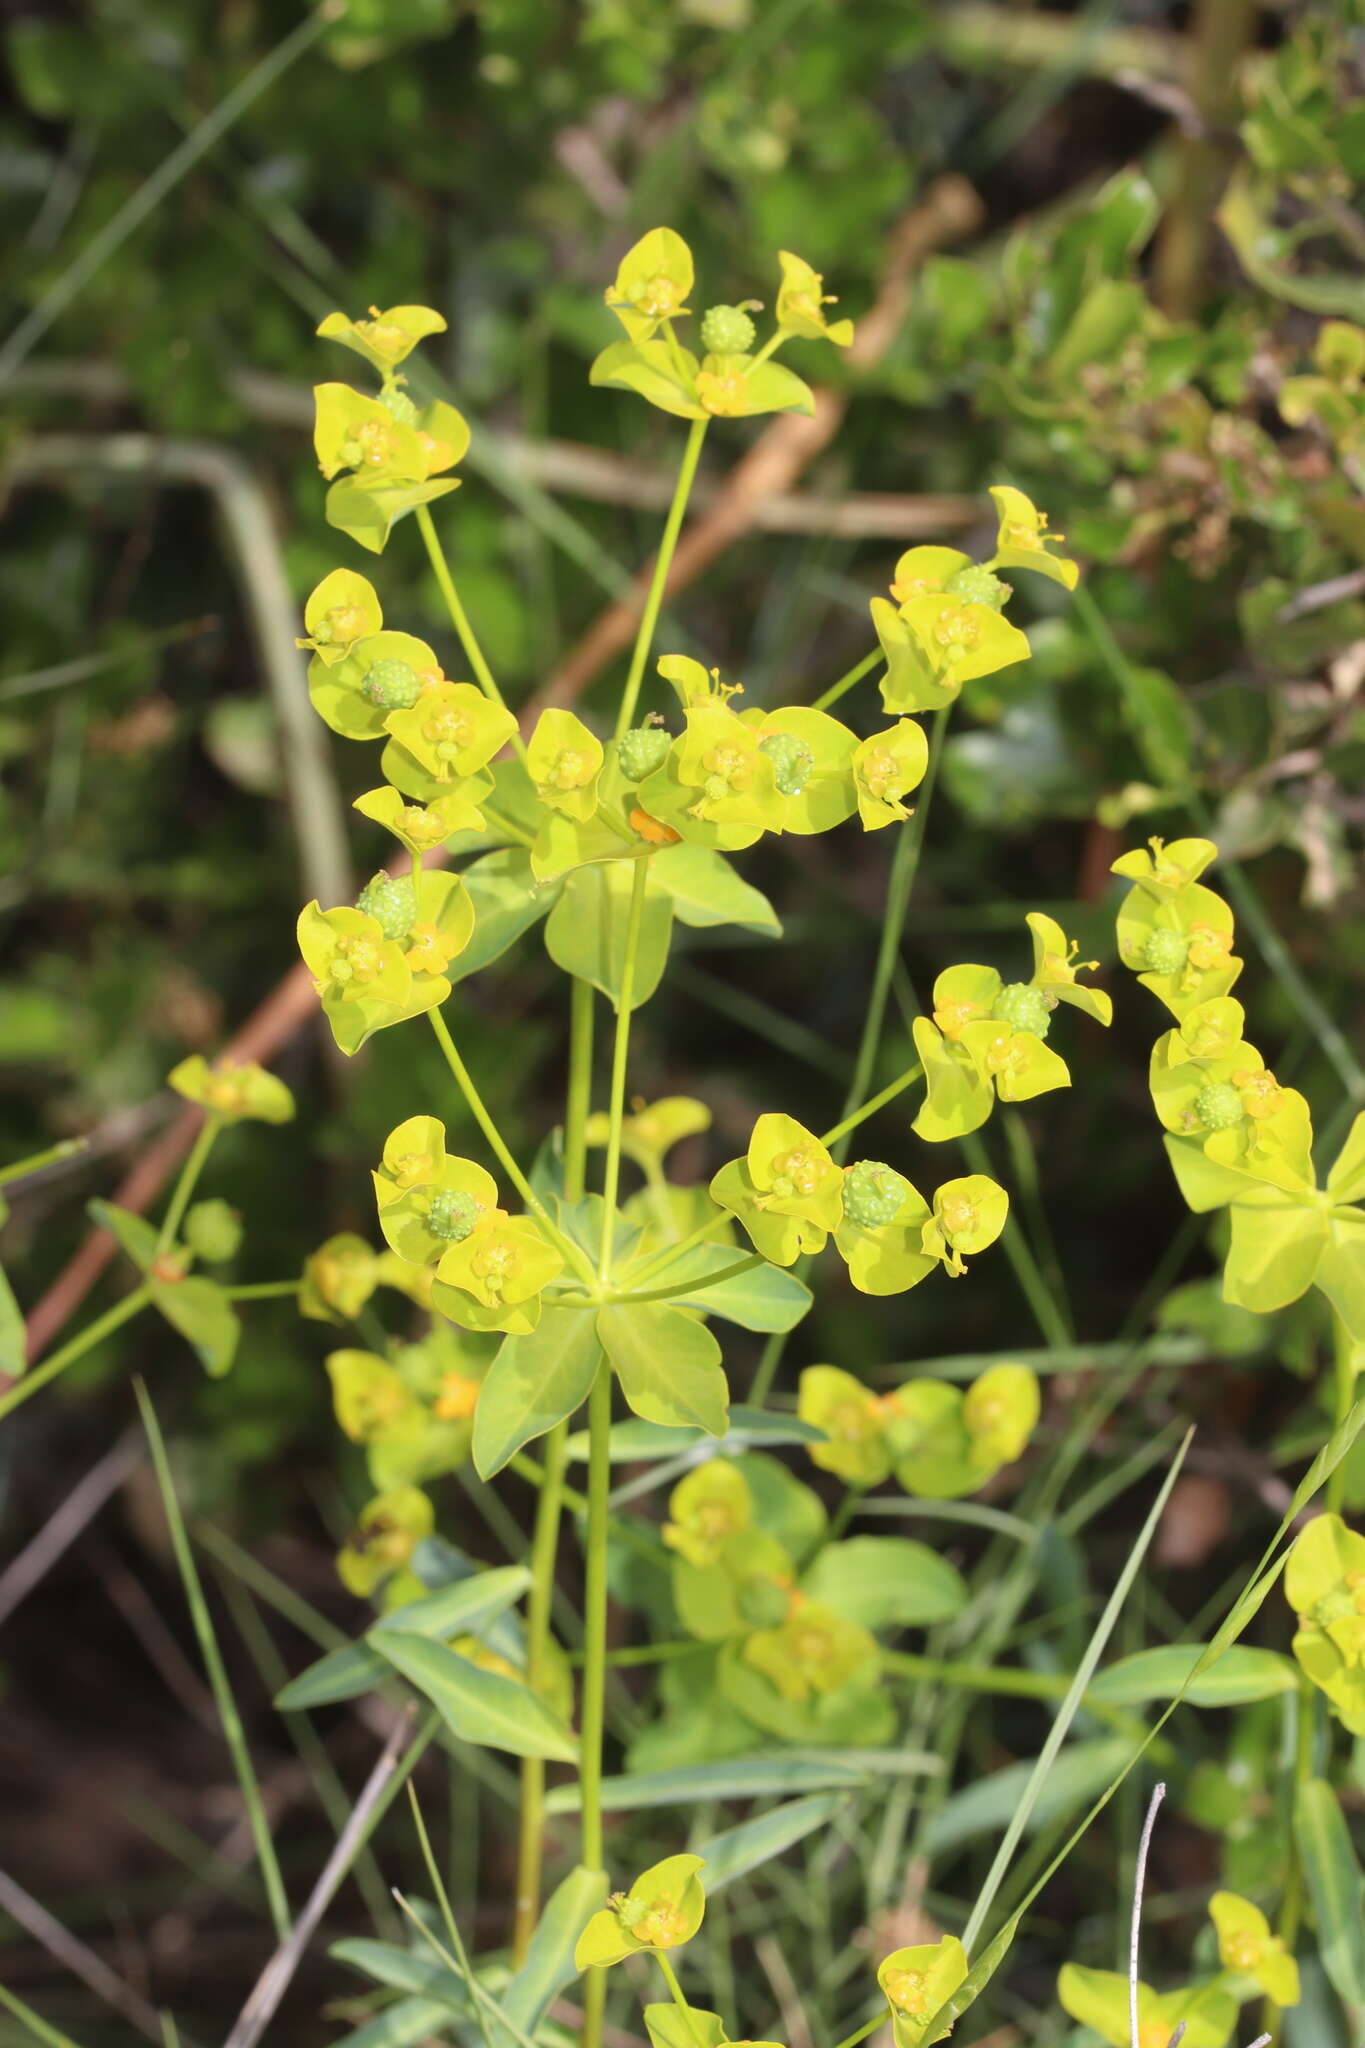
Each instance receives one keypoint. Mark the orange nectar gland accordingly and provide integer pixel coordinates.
(496, 1264)
(908, 1994)
(956, 632)
(411, 1169)
(1153, 2034)
(457, 1399)
(1243, 1951)
(653, 829)
(356, 959)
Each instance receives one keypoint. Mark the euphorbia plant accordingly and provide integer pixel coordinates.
(548, 1295)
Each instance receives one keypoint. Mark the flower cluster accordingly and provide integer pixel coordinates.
(938, 1440)
(946, 626)
(1236, 1138)
(731, 380)
(441, 1213)
(1324, 1583)
(1256, 1964)
(986, 1037)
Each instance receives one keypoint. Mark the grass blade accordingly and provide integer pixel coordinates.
(1066, 1713)
(217, 1676)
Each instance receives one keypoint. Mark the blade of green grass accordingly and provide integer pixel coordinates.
(233, 1732)
(1066, 1713)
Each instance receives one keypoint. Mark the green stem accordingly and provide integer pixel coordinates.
(1002, 1680)
(1291, 1906)
(860, 1116)
(459, 618)
(1345, 1388)
(263, 1290)
(593, 1711)
(498, 1145)
(846, 683)
(744, 1265)
(670, 1978)
(861, 2033)
(550, 1497)
(189, 1174)
(36, 2025)
(233, 1731)
(611, 1174)
(649, 617)
(904, 868)
(93, 1334)
(665, 1258)
(36, 1161)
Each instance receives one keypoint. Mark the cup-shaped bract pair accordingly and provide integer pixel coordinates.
(387, 1532)
(1212, 1088)
(986, 1035)
(440, 1211)
(1176, 935)
(943, 1442)
(232, 1093)
(1207, 2013)
(379, 965)
(918, 1982)
(662, 1910)
(1324, 1583)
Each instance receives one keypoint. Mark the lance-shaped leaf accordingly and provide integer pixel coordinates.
(535, 1381)
(478, 1706)
(668, 1365)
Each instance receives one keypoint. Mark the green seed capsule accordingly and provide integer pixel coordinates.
(1165, 952)
(391, 686)
(642, 751)
(392, 900)
(1023, 1008)
(452, 1215)
(980, 586)
(398, 403)
(873, 1193)
(726, 331)
(213, 1231)
(792, 761)
(1218, 1106)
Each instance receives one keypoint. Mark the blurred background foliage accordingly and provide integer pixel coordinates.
(1149, 317)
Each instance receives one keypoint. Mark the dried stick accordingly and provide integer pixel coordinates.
(60, 1531)
(82, 1962)
(278, 1973)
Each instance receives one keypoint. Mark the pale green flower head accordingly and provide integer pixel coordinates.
(653, 283)
(1247, 1945)
(388, 1531)
(233, 1093)
(1023, 541)
(968, 1216)
(801, 302)
(815, 1651)
(338, 1279)
(368, 1395)
(918, 1982)
(886, 767)
(440, 1210)
(706, 1509)
(449, 733)
(662, 1910)
(1100, 1999)
(386, 338)
(343, 609)
(564, 759)
(853, 1419)
(421, 827)
(880, 1234)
